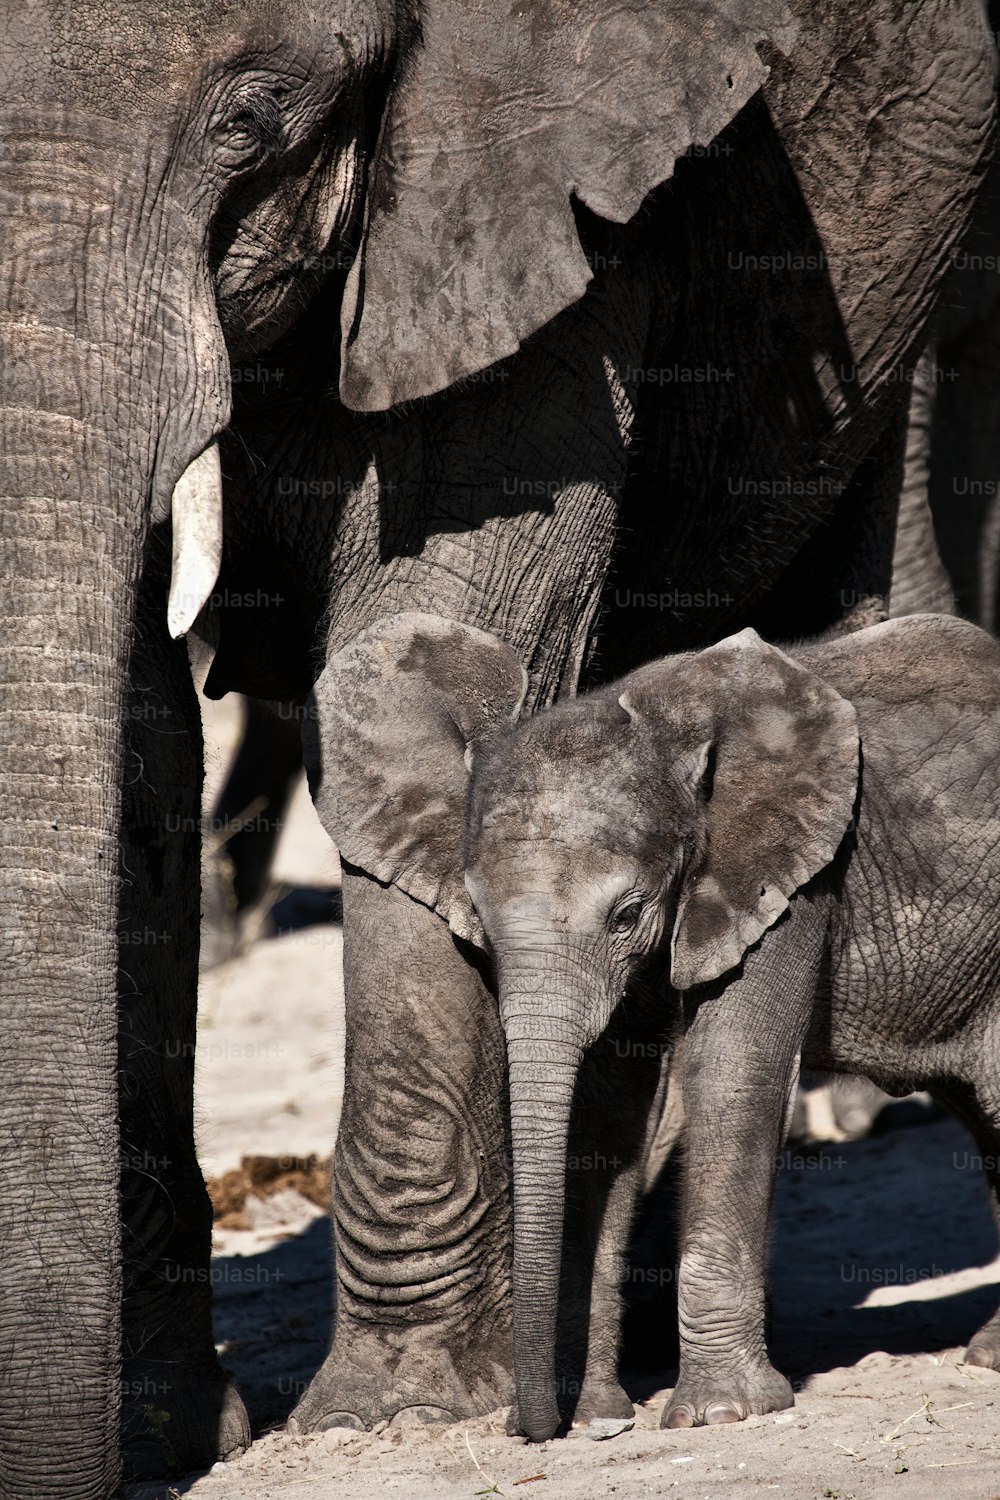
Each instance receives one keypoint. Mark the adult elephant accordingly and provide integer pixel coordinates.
(617, 351)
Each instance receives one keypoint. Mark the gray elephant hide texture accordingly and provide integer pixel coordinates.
(668, 77)
(776, 733)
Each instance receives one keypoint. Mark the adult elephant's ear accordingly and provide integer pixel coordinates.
(505, 113)
(399, 709)
(782, 783)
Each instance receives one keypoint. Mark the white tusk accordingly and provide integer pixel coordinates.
(196, 511)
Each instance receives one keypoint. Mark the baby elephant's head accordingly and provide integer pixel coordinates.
(578, 833)
(669, 817)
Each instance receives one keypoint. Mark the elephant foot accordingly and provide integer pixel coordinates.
(174, 1424)
(601, 1399)
(598, 1399)
(984, 1350)
(401, 1387)
(708, 1400)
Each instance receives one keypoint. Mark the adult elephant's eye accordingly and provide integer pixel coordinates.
(239, 133)
(626, 917)
(251, 128)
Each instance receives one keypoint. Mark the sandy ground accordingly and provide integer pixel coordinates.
(270, 1041)
(883, 1264)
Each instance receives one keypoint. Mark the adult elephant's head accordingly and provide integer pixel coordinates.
(177, 182)
(174, 180)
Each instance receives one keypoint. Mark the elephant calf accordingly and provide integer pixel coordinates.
(797, 853)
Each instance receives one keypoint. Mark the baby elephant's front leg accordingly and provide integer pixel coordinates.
(740, 1063)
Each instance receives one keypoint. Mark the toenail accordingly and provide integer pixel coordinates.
(979, 1357)
(681, 1416)
(720, 1412)
(340, 1419)
(417, 1416)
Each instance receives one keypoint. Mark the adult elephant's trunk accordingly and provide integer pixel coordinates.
(79, 439)
(544, 1049)
(71, 552)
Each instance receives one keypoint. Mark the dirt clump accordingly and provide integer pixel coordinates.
(262, 1177)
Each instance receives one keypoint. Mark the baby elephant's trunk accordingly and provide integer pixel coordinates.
(544, 1055)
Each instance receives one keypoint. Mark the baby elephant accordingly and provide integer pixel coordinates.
(796, 852)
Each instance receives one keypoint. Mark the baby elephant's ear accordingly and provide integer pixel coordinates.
(399, 708)
(781, 799)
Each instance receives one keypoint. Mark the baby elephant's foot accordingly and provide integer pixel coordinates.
(984, 1349)
(706, 1400)
(598, 1399)
(601, 1399)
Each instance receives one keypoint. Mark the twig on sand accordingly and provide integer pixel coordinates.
(922, 1411)
(961, 1368)
(966, 1370)
(494, 1488)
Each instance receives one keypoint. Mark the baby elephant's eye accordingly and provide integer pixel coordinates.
(626, 917)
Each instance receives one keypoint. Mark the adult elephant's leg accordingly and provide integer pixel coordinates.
(246, 824)
(179, 1412)
(420, 1185)
(920, 581)
(964, 486)
(842, 578)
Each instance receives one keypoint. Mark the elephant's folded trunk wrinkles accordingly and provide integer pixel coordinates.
(544, 1057)
(77, 454)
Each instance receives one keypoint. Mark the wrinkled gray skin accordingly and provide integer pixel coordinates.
(183, 191)
(963, 416)
(695, 853)
(952, 471)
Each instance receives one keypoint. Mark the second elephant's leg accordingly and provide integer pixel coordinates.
(978, 1107)
(256, 794)
(420, 1184)
(740, 1064)
(612, 1201)
(608, 1140)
